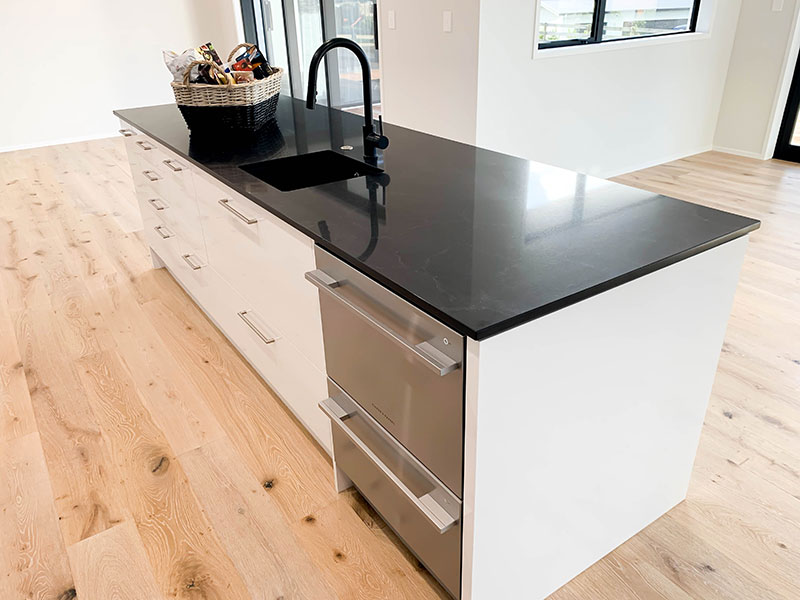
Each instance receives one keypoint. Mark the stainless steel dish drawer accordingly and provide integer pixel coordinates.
(415, 504)
(400, 364)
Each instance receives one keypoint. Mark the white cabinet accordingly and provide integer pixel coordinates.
(243, 266)
(264, 260)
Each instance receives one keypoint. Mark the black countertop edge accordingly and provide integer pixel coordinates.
(477, 334)
(606, 286)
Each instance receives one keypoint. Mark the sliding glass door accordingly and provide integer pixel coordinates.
(356, 20)
(292, 30)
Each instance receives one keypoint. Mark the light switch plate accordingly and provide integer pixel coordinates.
(390, 16)
(777, 5)
(447, 21)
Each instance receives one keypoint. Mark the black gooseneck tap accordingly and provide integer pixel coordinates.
(372, 139)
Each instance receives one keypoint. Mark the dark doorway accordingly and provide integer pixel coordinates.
(788, 145)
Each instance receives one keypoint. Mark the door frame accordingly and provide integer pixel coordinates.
(784, 150)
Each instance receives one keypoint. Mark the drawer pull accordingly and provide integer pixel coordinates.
(172, 165)
(430, 356)
(151, 175)
(267, 340)
(191, 262)
(157, 203)
(163, 232)
(127, 132)
(227, 204)
(144, 145)
(426, 504)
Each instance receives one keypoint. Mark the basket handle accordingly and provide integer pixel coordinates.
(194, 63)
(235, 50)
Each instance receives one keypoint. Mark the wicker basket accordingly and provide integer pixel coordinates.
(246, 106)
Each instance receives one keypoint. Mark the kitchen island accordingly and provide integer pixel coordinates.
(576, 322)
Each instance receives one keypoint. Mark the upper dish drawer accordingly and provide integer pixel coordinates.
(400, 364)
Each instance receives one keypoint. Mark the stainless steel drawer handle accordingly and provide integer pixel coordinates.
(264, 338)
(172, 165)
(157, 203)
(144, 145)
(151, 175)
(163, 232)
(427, 505)
(434, 359)
(227, 204)
(191, 262)
(127, 132)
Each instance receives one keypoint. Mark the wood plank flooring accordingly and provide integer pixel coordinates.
(142, 458)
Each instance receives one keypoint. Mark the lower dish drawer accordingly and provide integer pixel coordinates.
(415, 504)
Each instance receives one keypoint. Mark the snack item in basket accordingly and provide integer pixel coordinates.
(207, 74)
(253, 60)
(243, 76)
(177, 63)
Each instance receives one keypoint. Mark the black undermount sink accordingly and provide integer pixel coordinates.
(308, 170)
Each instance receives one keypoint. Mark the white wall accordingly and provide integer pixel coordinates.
(760, 71)
(605, 112)
(70, 63)
(429, 78)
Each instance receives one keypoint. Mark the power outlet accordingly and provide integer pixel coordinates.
(390, 16)
(447, 21)
(777, 5)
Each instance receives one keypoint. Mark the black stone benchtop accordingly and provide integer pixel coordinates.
(480, 240)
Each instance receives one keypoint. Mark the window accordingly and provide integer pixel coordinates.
(577, 22)
(292, 30)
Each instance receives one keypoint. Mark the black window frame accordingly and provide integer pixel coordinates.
(249, 22)
(598, 20)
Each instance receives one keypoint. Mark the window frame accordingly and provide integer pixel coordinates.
(596, 35)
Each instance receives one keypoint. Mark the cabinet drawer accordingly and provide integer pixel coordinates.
(264, 260)
(299, 384)
(176, 187)
(142, 149)
(173, 200)
(151, 152)
(129, 132)
(195, 276)
(159, 236)
(131, 136)
(145, 149)
(178, 171)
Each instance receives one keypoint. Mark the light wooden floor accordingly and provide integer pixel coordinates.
(141, 458)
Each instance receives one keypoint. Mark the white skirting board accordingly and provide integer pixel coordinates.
(582, 426)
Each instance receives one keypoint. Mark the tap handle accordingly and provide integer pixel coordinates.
(376, 138)
(383, 141)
